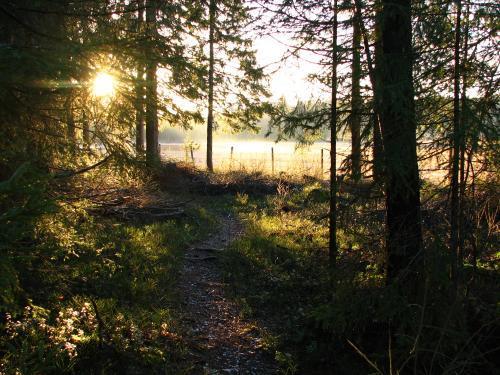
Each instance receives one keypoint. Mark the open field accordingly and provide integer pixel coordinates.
(257, 156)
(254, 156)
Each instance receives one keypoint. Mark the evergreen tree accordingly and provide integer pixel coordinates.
(152, 147)
(356, 100)
(235, 85)
(397, 112)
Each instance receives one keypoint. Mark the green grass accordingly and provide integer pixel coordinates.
(103, 293)
(277, 271)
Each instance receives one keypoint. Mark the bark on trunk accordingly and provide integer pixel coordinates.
(139, 110)
(140, 89)
(404, 236)
(463, 142)
(332, 251)
(455, 199)
(355, 120)
(152, 154)
(210, 116)
(70, 120)
(378, 148)
(85, 128)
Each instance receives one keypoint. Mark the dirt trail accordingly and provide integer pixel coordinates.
(219, 340)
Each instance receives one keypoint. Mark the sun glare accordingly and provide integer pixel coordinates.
(104, 84)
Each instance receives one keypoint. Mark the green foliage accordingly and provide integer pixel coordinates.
(22, 199)
(99, 294)
(279, 272)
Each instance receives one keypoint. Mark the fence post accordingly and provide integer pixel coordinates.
(231, 159)
(272, 160)
(192, 155)
(322, 164)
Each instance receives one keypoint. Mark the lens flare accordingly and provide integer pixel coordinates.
(103, 85)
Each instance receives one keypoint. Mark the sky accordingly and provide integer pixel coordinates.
(286, 78)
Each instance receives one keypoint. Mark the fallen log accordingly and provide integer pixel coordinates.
(207, 249)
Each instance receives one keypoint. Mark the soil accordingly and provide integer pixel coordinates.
(219, 340)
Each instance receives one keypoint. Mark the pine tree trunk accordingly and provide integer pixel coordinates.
(455, 197)
(332, 251)
(139, 110)
(70, 120)
(404, 236)
(378, 145)
(378, 153)
(463, 142)
(210, 117)
(139, 90)
(355, 120)
(85, 128)
(152, 154)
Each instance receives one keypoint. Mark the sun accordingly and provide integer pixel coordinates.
(103, 85)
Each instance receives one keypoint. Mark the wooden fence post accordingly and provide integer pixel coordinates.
(322, 164)
(272, 160)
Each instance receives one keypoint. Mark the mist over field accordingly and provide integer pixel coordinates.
(251, 151)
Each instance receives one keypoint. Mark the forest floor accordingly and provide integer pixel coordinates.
(218, 274)
(219, 339)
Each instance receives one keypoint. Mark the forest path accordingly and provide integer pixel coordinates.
(219, 341)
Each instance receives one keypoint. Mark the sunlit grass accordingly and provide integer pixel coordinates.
(110, 289)
(267, 157)
(257, 156)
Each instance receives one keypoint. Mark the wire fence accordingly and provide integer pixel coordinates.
(277, 158)
(265, 157)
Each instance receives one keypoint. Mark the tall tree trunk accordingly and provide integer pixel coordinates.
(85, 128)
(463, 142)
(378, 144)
(139, 89)
(139, 110)
(152, 154)
(455, 198)
(404, 236)
(378, 147)
(332, 250)
(355, 120)
(210, 117)
(70, 120)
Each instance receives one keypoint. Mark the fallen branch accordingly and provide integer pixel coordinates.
(208, 249)
(83, 170)
(210, 257)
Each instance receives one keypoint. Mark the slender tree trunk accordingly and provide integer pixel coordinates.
(85, 128)
(139, 110)
(378, 144)
(152, 154)
(210, 117)
(463, 143)
(356, 102)
(378, 147)
(404, 236)
(139, 89)
(70, 120)
(455, 196)
(378, 150)
(333, 148)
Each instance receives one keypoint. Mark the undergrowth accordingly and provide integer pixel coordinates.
(278, 271)
(88, 294)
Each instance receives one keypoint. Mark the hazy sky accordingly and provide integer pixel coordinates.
(287, 78)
